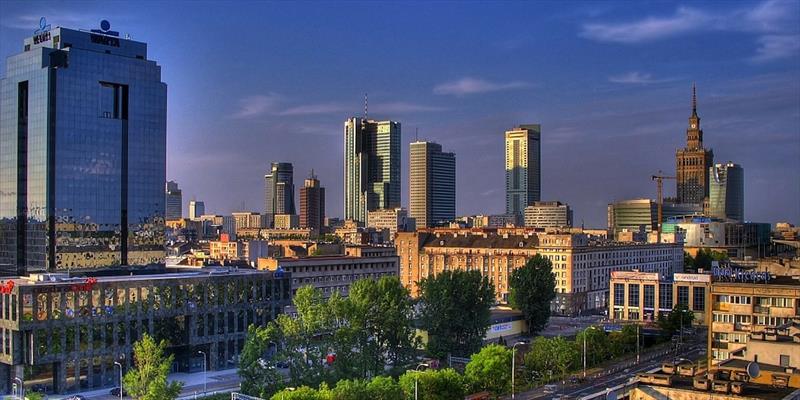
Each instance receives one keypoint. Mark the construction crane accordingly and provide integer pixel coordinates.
(660, 184)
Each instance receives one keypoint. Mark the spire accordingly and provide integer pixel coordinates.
(694, 99)
(365, 106)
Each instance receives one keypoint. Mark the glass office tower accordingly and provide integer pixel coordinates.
(82, 154)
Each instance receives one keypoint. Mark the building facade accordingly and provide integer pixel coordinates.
(523, 167)
(312, 204)
(645, 296)
(391, 220)
(726, 192)
(286, 221)
(581, 266)
(371, 166)
(173, 200)
(432, 184)
(548, 214)
(279, 189)
(736, 239)
(63, 335)
(247, 220)
(196, 209)
(82, 154)
(335, 274)
(632, 215)
(693, 162)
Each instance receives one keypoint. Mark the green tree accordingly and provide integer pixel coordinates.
(443, 384)
(533, 287)
(384, 388)
(258, 372)
(148, 379)
(455, 311)
(547, 357)
(302, 393)
(703, 259)
(598, 346)
(490, 369)
(671, 323)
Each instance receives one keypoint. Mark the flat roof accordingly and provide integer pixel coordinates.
(197, 273)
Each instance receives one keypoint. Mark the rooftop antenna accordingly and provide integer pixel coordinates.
(416, 134)
(694, 98)
(365, 106)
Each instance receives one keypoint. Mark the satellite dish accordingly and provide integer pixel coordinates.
(753, 370)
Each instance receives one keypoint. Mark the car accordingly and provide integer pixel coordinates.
(77, 397)
(115, 392)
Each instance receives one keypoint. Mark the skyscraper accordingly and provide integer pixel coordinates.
(371, 166)
(312, 204)
(432, 184)
(523, 167)
(82, 154)
(279, 189)
(174, 201)
(693, 162)
(726, 192)
(196, 209)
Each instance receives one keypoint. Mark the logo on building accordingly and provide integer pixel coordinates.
(43, 26)
(729, 274)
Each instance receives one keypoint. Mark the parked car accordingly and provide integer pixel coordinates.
(115, 392)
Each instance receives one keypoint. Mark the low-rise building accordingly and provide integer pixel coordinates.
(736, 239)
(582, 266)
(391, 220)
(248, 251)
(645, 296)
(286, 221)
(335, 273)
(548, 214)
(63, 334)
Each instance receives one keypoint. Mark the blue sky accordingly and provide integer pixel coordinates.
(610, 82)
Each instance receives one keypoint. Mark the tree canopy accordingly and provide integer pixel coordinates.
(148, 379)
(532, 289)
(490, 369)
(455, 311)
(671, 323)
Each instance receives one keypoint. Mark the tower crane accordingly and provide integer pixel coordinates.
(660, 184)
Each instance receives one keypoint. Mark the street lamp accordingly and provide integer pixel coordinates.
(416, 380)
(513, 361)
(204, 370)
(120, 378)
(21, 390)
(584, 349)
(682, 313)
(637, 344)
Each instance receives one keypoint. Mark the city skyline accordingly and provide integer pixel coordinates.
(637, 98)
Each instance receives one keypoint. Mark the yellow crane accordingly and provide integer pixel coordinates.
(660, 184)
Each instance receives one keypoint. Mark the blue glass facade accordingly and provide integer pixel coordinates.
(82, 154)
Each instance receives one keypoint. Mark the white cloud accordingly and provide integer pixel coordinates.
(636, 77)
(773, 47)
(309, 109)
(468, 85)
(253, 106)
(775, 21)
(403, 107)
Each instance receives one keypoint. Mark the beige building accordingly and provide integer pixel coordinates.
(286, 221)
(243, 250)
(336, 273)
(247, 219)
(644, 296)
(548, 214)
(582, 267)
(523, 167)
(391, 220)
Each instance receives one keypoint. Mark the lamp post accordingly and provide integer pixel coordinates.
(117, 363)
(584, 349)
(416, 380)
(204, 370)
(20, 388)
(683, 312)
(637, 344)
(513, 362)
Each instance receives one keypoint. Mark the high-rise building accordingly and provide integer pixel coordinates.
(726, 192)
(693, 162)
(196, 209)
(432, 184)
(548, 214)
(173, 200)
(312, 204)
(82, 153)
(279, 189)
(371, 166)
(523, 167)
(632, 215)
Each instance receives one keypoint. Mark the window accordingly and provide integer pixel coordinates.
(649, 296)
(665, 296)
(699, 299)
(784, 360)
(619, 294)
(633, 295)
(683, 295)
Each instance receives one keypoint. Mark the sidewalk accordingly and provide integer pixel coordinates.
(192, 383)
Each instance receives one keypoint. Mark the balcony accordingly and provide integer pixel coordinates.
(760, 309)
(741, 327)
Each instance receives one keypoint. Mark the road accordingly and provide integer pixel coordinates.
(620, 373)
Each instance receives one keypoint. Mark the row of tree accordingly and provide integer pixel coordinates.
(372, 331)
